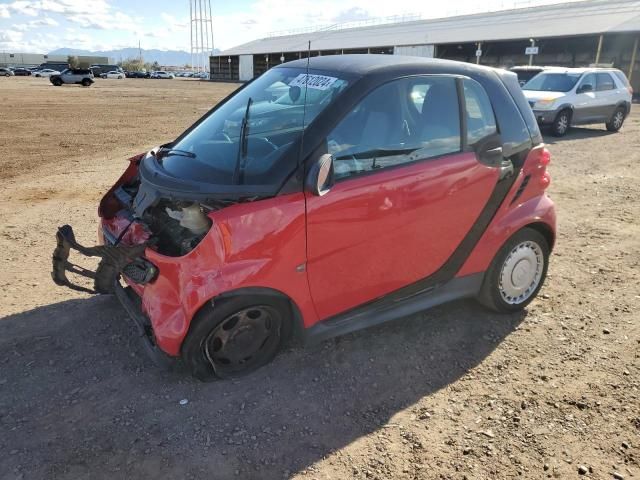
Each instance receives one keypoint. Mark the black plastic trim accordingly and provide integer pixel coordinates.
(376, 314)
(131, 303)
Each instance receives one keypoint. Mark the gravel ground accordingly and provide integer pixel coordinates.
(456, 392)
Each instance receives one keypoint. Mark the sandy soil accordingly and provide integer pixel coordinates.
(454, 393)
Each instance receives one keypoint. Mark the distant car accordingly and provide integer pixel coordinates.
(113, 74)
(22, 72)
(71, 76)
(139, 74)
(561, 97)
(5, 72)
(527, 72)
(165, 75)
(45, 73)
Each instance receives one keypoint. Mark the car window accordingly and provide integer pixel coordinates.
(589, 79)
(400, 122)
(623, 79)
(605, 82)
(481, 121)
(552, 82)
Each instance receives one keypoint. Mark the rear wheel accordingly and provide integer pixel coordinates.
(235, 337)
(560, 125)
(517, 272)
(617, 120)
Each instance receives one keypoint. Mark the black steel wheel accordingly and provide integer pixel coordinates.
(236, 336)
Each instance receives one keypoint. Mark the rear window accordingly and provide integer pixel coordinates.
(552, 82)
(622, 77)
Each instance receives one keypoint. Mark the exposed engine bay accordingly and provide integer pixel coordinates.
(172, 227)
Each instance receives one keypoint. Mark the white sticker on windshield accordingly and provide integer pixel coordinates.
(318, 82)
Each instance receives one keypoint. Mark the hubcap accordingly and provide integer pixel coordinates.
(521, 272)
(617, 119)
(563, 123)
(243, 339)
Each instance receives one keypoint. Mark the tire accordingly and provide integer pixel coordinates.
(561, 124)
(526, 256)
(120, 77)
(617, 120)
(221, 336)
(57, 82)
(86, 82)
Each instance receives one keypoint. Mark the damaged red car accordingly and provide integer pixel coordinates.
(321, 198)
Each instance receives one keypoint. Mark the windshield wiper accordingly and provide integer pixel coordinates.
(178, 153)
(238, 174)
(377, 153)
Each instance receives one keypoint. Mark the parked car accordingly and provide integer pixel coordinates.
(6, 72)
(45, 73)
(527, 72)
(99, 69)
(114, 74)
(238, 237)
(22, 72)
(562, 97)
(79, 76)
(162, 75)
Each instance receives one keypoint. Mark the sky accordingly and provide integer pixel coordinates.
(40, 26)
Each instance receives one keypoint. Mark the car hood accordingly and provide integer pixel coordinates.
(534, 95)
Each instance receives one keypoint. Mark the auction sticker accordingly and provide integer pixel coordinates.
(317, 82)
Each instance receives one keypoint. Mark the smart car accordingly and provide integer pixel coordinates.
(380, 186)
(561, 97)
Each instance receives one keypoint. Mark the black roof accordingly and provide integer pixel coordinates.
(363, 64)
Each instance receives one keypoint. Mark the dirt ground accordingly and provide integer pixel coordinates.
(456, 392)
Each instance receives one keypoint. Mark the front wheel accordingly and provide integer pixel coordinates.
(236, 336)
(617, 120)
(86, 82)
(517, 272)
(57, 82)
(560, 125)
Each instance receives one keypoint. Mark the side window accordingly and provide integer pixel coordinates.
(605, 82)
(589, 79)
(481, 122)
(400, 122)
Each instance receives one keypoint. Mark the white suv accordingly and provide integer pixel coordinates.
(561, 97)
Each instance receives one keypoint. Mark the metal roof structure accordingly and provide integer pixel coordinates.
(558, 20)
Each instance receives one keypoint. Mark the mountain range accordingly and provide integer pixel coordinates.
(163, 57)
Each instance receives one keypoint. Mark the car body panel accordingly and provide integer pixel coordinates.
(258, 244)
(394, 227)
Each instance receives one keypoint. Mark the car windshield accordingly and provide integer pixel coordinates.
(249, 139)
(552, 82)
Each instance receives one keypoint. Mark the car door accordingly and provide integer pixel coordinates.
(406, 191)
(585, 105)
(607, 95)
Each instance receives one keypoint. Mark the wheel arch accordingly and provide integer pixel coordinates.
(297, 320)
(545, 230)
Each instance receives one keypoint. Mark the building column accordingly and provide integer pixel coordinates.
(600, 39)
(478, 48)
(634, 53)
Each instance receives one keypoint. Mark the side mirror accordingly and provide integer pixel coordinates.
(320, 178)
(587, 87)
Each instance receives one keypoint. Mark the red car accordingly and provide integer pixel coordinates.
(322, 198)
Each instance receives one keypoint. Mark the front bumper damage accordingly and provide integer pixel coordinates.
(113, 260)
